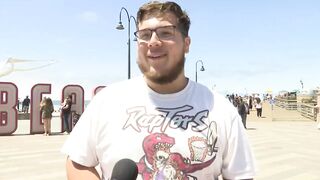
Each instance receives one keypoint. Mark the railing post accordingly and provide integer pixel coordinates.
(318, 109)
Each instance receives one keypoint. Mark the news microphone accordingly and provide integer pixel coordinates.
(124, 169)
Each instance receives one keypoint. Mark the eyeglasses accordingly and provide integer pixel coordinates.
(163, 33)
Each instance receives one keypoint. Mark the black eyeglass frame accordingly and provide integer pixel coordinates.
(136, 34)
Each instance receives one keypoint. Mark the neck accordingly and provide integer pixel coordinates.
(169, 88)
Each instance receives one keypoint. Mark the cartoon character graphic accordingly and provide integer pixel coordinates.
(201, 147)
(160, 163)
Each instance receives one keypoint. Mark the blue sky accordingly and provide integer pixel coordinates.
(246, 45)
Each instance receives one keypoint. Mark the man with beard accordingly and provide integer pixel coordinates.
(162, 117)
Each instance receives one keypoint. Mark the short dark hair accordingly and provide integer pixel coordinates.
(157, 9)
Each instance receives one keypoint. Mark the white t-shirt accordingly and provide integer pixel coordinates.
(191, 134)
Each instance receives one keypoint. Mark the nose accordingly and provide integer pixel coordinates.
(154, 40)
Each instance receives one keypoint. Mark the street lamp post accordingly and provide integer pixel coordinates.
(121, 27)
(301, 82)
(201, 69)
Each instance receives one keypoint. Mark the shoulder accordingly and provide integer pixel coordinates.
(201, 90)
(123, 90)
(122, 86)
(218, 100)
(118, 91)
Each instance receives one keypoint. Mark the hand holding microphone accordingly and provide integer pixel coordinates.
(124, 169)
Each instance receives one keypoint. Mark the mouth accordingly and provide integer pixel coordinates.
(155, 56)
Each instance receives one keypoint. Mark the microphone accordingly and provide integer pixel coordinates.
(125, 169)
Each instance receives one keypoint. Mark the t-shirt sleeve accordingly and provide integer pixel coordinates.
(238, 160)
(80, 145)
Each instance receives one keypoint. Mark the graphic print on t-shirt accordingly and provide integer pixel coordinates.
(162, 118)
(159, 161)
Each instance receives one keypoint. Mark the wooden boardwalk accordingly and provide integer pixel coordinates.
(284, 149)
(286, 145)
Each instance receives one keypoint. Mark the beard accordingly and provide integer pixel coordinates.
(164, 78)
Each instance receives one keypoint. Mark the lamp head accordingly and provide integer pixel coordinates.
(120, 26)
(202, 68)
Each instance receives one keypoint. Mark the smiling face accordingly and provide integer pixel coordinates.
(162, 60)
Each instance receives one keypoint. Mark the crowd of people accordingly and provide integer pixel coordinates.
(245, 104)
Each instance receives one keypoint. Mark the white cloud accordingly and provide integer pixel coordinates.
(89, 16)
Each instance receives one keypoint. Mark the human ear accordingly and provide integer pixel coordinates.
(187, 42)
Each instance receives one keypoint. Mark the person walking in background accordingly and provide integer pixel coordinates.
(250, 103)
(272, 102)
(243, 109)
(25, 104)
(66, 113)
(22, 106)
(258, 107)
(46, 108)
(169, 125)
(18, 104)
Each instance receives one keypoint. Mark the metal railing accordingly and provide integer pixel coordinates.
(308, 110)
(286, 103)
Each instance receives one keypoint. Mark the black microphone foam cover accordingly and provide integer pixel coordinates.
(125, 169)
